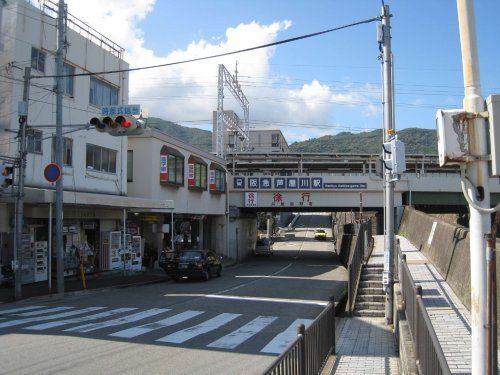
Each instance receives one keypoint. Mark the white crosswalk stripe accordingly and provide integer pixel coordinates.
(45, 311)
(191, 332)
(282, 340)
(32, 319)
(146, 328)
(242, 334)
(19, 309)
(115, 322)
(81, 319)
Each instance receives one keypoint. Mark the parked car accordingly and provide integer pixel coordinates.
(264, 246)
(320, 234)
(194, 263)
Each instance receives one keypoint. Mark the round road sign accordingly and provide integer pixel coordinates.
(52, 172)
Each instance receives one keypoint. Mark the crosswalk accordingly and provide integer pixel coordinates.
(160, 325)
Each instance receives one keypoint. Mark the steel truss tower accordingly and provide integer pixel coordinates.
(224, 121)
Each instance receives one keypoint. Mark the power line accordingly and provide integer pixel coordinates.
(289, 40)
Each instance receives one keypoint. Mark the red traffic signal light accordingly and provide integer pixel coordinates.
(120, 126)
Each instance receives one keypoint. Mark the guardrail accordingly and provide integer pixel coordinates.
(308, 353)
(428, 352)
(359, 256)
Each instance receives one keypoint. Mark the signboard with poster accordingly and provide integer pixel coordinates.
(250, 199)
(191, 175)
(163, 168)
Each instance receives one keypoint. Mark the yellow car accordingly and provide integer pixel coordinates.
(320, 234)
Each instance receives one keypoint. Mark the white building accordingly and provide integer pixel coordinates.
(94, 172)
(262, 140)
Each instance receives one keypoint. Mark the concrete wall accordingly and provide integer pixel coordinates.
(446, 246)
(19, 34)
(241, 245)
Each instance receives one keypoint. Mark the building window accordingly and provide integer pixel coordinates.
(101, 93)
(130, 165)
(200, 175)
(68, 82)
(101, 159)
(231, 140)
(38, 59)
(67, 145)
(275, 140)
(175, 165)
(34, 141)
(220, 180)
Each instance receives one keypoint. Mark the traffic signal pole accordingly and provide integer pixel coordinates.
(388, 181)
(23, 120)
(61, 44)
(478, 190)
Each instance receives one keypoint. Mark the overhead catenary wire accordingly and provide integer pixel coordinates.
(267, 45)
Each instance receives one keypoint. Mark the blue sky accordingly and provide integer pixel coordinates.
(281, 85)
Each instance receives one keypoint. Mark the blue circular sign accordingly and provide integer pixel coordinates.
(52, 172)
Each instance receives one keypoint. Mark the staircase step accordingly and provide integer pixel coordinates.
(369, 306)
(374, 265)
(371, 291)
(370, 284)
(373, 271)
(369, 313)
(370, 298)
(369, 277)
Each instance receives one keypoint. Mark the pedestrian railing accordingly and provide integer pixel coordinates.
(308, 353)
(428, 352)
(358, 257)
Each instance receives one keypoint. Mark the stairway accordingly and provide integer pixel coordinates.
(370, 300)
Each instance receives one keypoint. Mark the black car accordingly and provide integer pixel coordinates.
(194, 263)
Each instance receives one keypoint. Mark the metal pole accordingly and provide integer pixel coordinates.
(172, 229)
(479, 193)
(389, 184)
(124, 234)
(23, 122)
(49, 256)
(61, 31)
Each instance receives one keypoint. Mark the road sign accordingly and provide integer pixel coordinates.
(52, 172)
(125, 110)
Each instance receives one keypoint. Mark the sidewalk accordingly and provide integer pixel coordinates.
(449, 317)
(366, 345)
(96, 281)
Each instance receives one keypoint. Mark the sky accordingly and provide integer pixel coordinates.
(309, 88)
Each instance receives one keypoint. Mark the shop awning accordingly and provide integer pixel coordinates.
(34, 195)
(196, 159)
(171, 151)
(217, 166)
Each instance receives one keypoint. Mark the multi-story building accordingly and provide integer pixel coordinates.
(262, 140)
(164, 168)
(94, 164)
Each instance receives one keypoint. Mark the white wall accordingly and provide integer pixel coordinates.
(146, 176)
(85, 56)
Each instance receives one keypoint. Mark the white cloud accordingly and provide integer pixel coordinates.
(189, 91)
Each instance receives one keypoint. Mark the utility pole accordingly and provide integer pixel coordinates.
(61, 45)
(23, 121)
(479, 193)
(388, 277)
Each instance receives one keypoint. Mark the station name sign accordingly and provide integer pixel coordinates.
(292, 183)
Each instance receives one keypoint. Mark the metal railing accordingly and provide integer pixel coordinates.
(308, 353)
(357, 258)
(428, 352)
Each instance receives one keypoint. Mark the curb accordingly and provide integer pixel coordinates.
(55, 296)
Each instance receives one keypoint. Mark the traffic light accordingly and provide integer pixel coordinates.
(6, 175)
(119, 126)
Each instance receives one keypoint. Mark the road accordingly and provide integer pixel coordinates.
(234, 324)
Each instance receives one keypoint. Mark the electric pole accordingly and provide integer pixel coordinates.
(388, 276)
(23, 121)
(61, 45)
(479, 193)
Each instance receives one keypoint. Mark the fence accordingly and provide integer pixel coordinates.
(360, 254)
(428, 352)
(308, 353)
